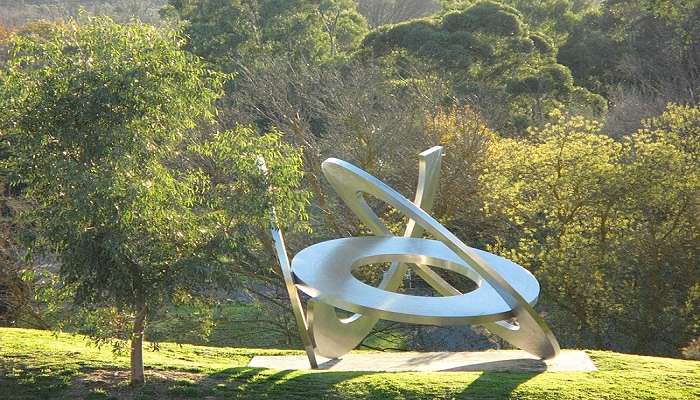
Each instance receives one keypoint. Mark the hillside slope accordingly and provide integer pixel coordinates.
(39, 365)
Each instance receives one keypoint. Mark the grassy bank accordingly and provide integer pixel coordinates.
(39, 365)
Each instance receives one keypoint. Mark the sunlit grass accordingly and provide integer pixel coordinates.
(38, 364)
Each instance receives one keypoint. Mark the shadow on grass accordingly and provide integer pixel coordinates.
(270, 384)
(495, 385)
(255, 383)
(33, 383)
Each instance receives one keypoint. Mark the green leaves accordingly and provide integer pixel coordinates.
(490, 52)
(236, 186)
(100, 122)
(103, 91)
(226, 32)
(609, 227)
(486, 16)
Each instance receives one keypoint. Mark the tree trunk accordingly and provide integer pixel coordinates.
(137, 376)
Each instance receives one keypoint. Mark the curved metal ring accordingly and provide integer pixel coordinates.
(323, 271)
(351, 183)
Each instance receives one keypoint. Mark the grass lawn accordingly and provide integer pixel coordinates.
(40, 365)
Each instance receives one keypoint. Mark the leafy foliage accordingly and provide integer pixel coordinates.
(609, 227)
(99, 114)
(651, 45)
(223, 32)
(489, 48)
(138, 209)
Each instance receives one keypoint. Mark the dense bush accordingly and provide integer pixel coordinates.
(489, 51)
(610, 227)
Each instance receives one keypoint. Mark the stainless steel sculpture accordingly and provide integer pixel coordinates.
(505, 291)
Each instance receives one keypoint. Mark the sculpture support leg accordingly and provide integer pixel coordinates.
(283, 259)
(297, 309)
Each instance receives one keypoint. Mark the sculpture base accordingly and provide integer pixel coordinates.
(498, 360)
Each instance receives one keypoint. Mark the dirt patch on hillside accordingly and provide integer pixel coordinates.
(114, 384)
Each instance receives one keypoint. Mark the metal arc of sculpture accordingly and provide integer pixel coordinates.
(505, 291)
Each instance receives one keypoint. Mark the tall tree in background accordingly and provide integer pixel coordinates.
(639, 54)
(657, 44)
(137, 208)
(551, 17)
(382, 12)
(489, 51)
(224, 32)
(610, 227)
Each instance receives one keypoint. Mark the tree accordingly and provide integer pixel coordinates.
(551, 17)
(137, 207)
(489, 51)
(466, 139)
(640, 54)
(610, 228)
(226, 32)
(382, 12)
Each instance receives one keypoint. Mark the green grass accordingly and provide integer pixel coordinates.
(40, 365)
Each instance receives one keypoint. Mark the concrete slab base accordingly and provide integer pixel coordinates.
(498, 360)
